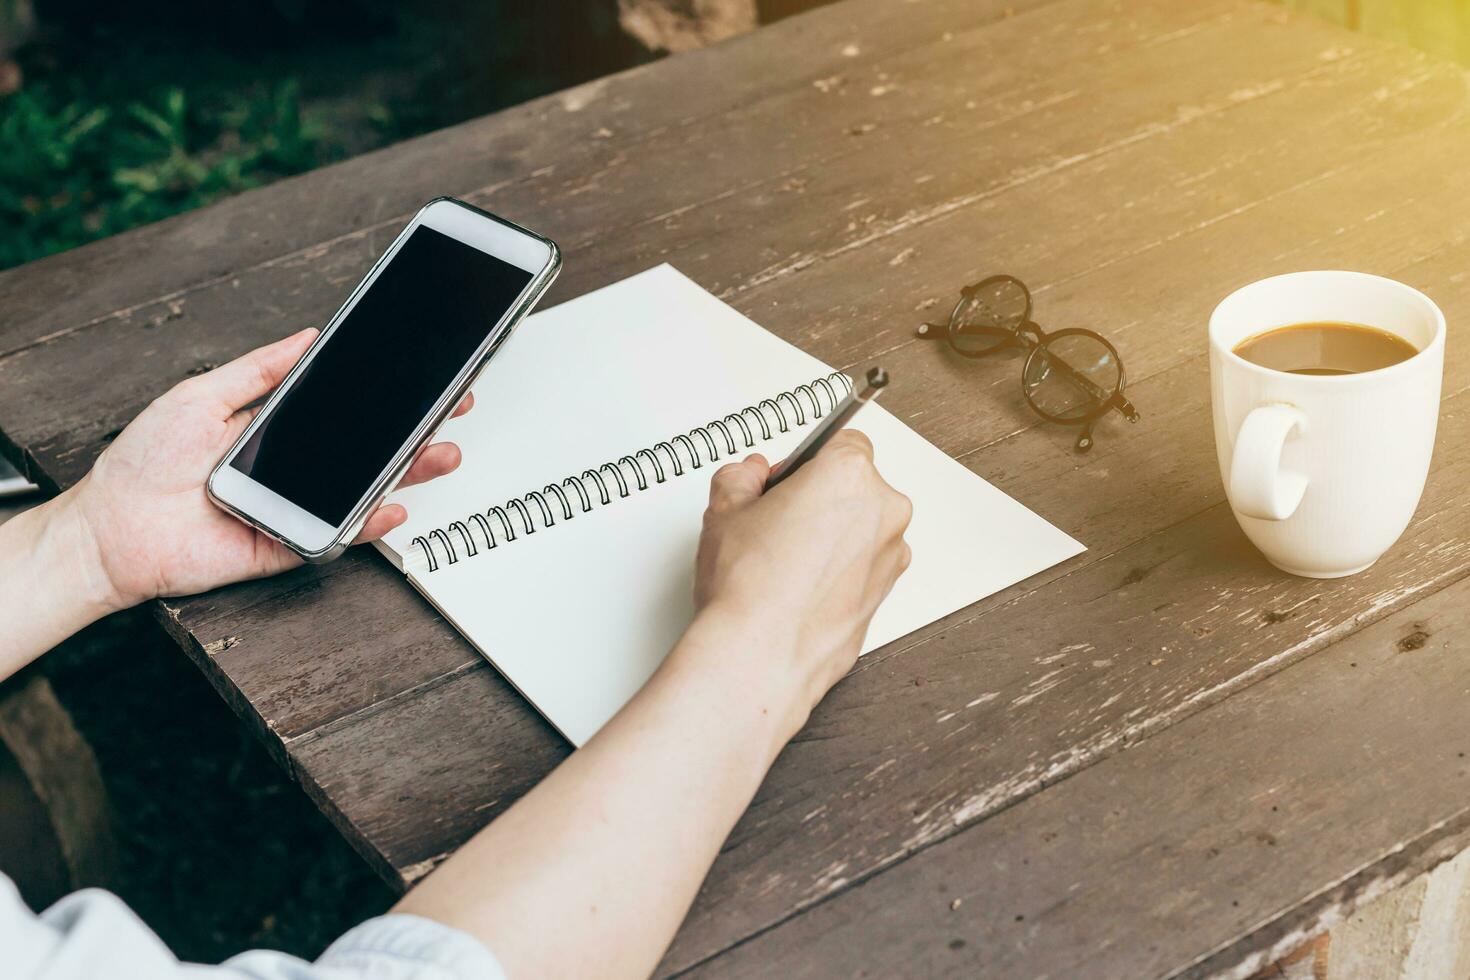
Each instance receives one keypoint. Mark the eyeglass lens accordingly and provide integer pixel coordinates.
(987, 312)
(1071, 376)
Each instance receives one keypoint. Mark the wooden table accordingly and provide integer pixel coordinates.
(1161, 757)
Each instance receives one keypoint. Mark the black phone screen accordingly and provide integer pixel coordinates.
(380, 373)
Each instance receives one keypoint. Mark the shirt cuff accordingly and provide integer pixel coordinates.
(410, 941)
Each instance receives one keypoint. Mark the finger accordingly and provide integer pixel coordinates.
(849, 440)
(241, 420)
(901, 508)
(465, 405)
(839, 667)
(737, 484)
(890, 567)
(435, 461)
(384, 519)
(271, 557)
(253, 375)
(903, 556)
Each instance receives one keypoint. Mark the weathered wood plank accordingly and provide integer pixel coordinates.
(373, 194)
(1062, 260)
(297, 693)
(169, 339)
(524, 749)
(1203, 442)
(1184, 854)
(1207, 621)
(997, 708)
(1111, 519)
(1197, 443)
(1300, 146)
(1129, 163)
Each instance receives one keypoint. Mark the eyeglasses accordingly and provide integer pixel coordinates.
(1071, 377)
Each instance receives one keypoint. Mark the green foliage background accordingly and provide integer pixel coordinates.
(72, 170)
(129, 113)
(1440, 27)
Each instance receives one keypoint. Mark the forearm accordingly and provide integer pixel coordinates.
(592, 872)
(52, 583)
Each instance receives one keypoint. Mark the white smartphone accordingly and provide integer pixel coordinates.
(387, 370)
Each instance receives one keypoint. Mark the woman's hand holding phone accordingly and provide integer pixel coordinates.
(139, 525)
(156, 532)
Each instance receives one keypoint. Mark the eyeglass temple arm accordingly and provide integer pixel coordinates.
(1090, 387)
(1123, 405)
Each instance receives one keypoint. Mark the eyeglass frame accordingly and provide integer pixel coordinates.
(1028, 334)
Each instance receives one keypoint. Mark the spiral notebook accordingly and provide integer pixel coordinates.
(563, 547)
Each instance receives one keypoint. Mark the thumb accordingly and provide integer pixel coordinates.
(736, 484)
(256, 374)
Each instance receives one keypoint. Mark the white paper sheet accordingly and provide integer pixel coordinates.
(579, 614)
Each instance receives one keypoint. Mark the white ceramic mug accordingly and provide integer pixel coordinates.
(1323, 472)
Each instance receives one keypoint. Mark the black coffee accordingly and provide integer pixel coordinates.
(1326, 348)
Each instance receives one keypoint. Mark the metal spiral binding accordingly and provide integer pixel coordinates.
(664, 460)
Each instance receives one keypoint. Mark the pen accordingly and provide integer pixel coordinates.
(828, 427)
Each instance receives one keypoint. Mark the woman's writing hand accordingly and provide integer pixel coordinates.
(801, 570)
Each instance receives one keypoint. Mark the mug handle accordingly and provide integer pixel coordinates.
(1259, 487)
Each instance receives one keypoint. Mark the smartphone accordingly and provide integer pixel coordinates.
(387, 370)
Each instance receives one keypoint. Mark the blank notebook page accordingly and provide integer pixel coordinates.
(578, 601)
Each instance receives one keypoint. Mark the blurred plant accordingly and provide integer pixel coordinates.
(272, 126)
(74, 171)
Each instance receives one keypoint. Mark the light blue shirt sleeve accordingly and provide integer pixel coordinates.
(93, 934)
